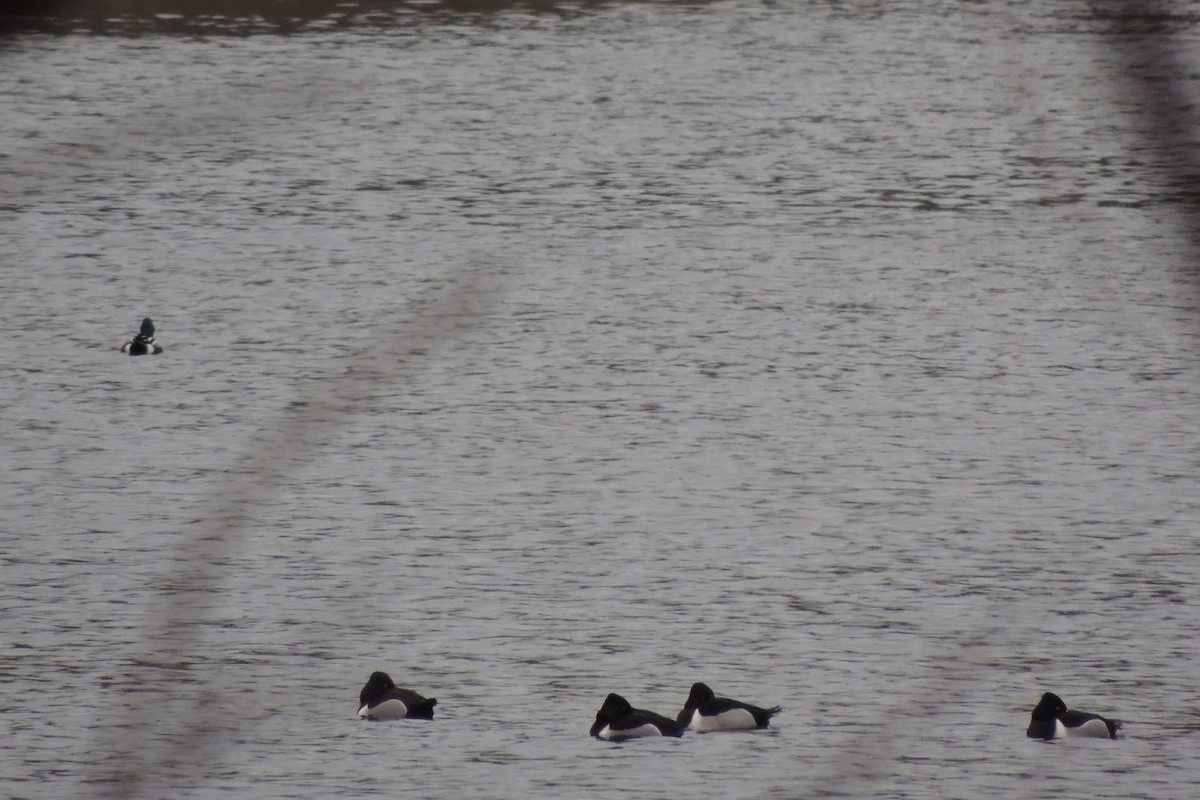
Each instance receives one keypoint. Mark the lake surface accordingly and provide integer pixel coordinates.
(841, 355)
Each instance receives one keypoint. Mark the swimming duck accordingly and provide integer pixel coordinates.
(704, 712)
(1052, 720)
(143, 343)
(381, 699)
(617, 721)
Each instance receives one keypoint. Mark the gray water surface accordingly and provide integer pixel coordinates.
(840, 355)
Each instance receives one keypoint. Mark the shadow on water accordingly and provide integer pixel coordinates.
(1156, 80)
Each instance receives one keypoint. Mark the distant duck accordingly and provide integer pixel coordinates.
(381, 699)
(704, 712)
(617, 721)
(1052, 720)
(143, 343)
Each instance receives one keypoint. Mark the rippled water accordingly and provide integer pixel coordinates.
(843, 356)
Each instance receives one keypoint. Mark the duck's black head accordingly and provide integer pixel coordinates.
(699, 695)
(1049, 707)
(614, 707)
(377, 684)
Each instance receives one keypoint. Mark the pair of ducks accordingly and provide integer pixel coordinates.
(617, 720)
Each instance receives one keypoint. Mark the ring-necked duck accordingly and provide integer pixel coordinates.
(617, 720)
(1052, 720)
(143, 343)
(704, 711)
(382, 699)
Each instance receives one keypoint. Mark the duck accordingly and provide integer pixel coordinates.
(705, 712)
(1052, 720)
(143, 343)
(381, 699)
(617, 721)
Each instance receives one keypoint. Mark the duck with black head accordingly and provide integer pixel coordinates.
(381, 699)
(1052, 720)
(618, 721)
(143, 344)
(704, 712)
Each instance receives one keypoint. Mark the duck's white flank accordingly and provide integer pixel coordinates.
(629, 733)
(388, 709)
(1092, 729)
(735, 719)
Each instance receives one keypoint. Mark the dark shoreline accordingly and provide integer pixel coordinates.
(245, 17)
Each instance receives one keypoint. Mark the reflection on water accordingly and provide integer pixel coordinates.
(832, 354)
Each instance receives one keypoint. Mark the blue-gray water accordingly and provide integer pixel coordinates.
(843, 356)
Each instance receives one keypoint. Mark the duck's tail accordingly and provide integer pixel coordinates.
(424, 710)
